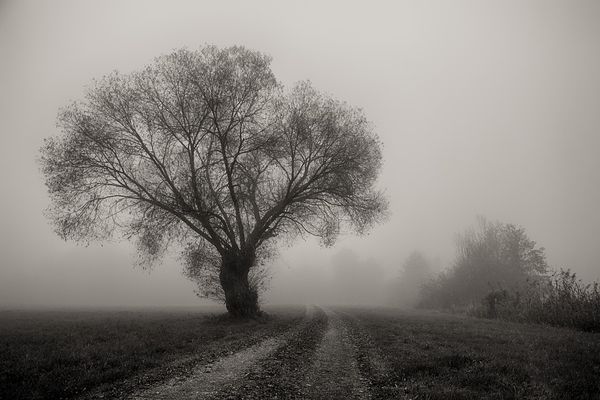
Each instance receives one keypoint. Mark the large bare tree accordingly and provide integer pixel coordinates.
(206, 151)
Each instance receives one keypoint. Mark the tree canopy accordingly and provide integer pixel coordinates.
(205, 150)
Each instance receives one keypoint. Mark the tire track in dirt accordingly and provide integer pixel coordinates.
(383, 383)
(327, 360)
(327, 356)
(281, 376)
(208, 380)
(335, 372)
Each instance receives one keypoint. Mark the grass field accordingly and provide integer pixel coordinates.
(438, 356)
(68, 354)
(61, 354)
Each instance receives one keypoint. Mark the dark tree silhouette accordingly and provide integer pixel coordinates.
(204, 150)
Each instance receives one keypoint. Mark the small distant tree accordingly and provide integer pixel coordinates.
(416, 270)
(203, 150)
(493, 257)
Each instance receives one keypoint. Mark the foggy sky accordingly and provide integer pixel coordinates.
(484, 108)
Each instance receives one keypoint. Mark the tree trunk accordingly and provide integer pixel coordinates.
(241, 299)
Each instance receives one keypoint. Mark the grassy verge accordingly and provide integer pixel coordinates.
(431, 356)
(62, 354)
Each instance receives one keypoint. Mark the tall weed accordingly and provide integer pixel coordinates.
(560, 300)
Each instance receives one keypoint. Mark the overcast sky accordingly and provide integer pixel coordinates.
(484, 107)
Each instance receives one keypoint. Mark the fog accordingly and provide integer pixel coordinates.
(484, 108)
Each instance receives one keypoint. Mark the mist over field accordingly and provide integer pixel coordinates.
(483, 110)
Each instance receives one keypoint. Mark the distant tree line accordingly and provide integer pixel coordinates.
(493, 256)
(499, 272)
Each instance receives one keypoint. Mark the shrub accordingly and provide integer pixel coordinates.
(560, 300)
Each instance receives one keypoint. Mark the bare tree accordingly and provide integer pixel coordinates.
(204, 150)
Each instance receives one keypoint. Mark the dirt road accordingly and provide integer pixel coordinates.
(318, 359)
